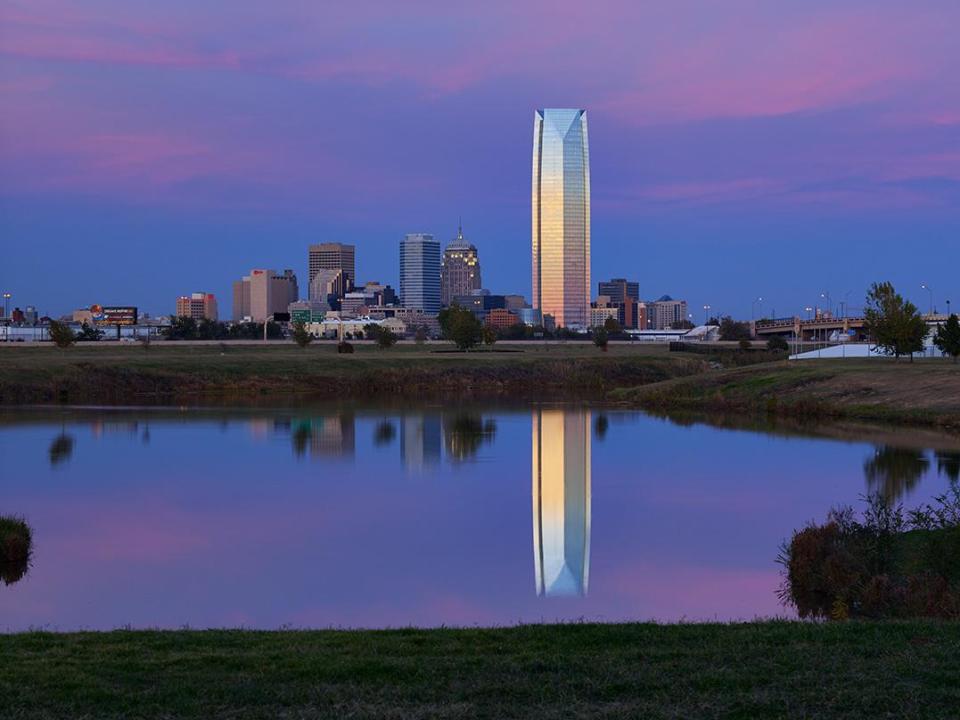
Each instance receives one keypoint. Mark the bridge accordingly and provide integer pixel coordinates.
(822, 327)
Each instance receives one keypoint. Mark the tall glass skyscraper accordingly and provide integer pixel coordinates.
(561, 501)
(561, 216)
(420, 272)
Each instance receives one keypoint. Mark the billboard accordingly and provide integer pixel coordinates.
(114, 314)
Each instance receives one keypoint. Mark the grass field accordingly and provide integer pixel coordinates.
(753, 670)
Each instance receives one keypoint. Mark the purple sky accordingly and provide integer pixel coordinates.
(739, 148)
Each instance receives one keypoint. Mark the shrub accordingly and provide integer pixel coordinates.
(601, 338)
(745, 345)
(62, 334)
(778, 343)
(345, 348)
(300, 335)
(385, 338)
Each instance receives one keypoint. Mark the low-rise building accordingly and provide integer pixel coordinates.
(198, 306)
(501, 318)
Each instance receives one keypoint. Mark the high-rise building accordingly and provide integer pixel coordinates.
(459, 269)
(262, 293)
(561, 501)
(420, 272)
(332, 256)
(663, 312)
(198, 305)
(561, 216)
(619, 290)
(327, 285)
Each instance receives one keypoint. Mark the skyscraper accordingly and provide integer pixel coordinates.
(420, 272)
(459, 269)
(332, 256)
(619, 290)
(262, 293)
(561, 501)
(561, 216)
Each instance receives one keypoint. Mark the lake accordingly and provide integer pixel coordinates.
(474, 515)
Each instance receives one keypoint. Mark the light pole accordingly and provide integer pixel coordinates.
(846, 305)
(753, 306)
(706, 310)
(927, 288)
(809, 312)
(826, 296)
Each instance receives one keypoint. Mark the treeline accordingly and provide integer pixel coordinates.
(186, 328)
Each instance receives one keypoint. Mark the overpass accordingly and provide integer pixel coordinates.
(823, 327)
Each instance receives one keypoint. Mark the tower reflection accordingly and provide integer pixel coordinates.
(561, 501)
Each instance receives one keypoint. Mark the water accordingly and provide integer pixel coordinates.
(375, 518)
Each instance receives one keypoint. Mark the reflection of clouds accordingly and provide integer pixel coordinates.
(894, 471)
(61, 449)
(561, 501)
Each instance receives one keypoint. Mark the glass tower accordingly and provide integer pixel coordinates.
(561, 501)
(561, 216)
(420, 272)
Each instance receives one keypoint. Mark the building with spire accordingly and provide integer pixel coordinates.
(459, 269)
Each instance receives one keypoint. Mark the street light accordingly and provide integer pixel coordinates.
(753, 305)
(826, 296)
(809, 311)
(927, 288)
(706, 309)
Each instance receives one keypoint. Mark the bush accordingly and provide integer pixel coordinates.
(745, 345)
(601, 338)
(300, 335)
(345, 348)
(385, 338)
(778, 343)
(16, 548)
(62, 334)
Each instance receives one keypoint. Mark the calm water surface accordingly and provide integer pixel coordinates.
(370, 518)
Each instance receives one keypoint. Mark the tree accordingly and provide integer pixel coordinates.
(600, 338)
(489, 335)
(612, 326)
(62, 334)
(181, 328)
(731, 330)
(460, 326)
(300, 334)
(778, 343)
(681, 325)
(895, 325)
(421, 335)
(947, 338)
(385, 338)
(745, 344)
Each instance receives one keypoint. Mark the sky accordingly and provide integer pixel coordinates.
(739, 148)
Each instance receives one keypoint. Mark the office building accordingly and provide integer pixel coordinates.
(500, 319)
(561, 216)
(262, 293)
(561, 501)
(328, 286)
(480, 302)
(420, 272)
(198, 306)
(619, 290)
(664, 312)
(459, 269)
(30, 315)
(332, 256)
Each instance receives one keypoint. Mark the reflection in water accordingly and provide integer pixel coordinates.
(561, 501)
(61, 449)
(465, 432)
(326, 436)
(600, 426)
(948, 465)
(16, 547)
(384, 433)
(892, 471)
(420, 441)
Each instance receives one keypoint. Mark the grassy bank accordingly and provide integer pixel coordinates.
(925, 392)
(172, 372)
(771, 669)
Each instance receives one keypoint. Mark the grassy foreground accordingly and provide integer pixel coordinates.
(751, 670)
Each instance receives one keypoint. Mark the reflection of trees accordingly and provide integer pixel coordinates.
(301, 439)
(384, 433)
(948, 463)
(323, 436)
(61, 449)
(465, 433)
(16, 546)
(892, 471)
(600, 426)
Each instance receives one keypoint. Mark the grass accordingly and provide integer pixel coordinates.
(749, 670)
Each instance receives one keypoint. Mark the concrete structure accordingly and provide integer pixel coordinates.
(459, 269)
(420, 272)
(561, 501)
(561, 216)
(332, 256)
(262, 293)
(619, 290)
(198, 306)
(663, 312)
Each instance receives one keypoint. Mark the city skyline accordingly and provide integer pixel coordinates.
(724, 161)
